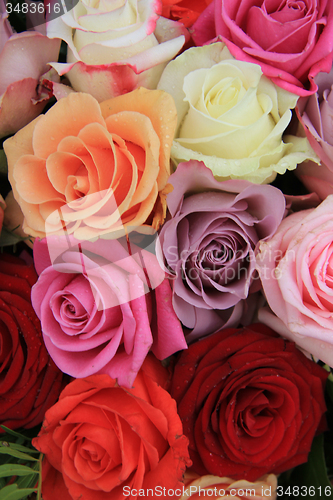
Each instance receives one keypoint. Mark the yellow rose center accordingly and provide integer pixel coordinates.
(224, 96)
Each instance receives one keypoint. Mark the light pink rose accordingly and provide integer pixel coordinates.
(5, 27)
(24, 59)
(316, 115)
(296, 271)
(102, 307)
(291, 39)
(116, 47)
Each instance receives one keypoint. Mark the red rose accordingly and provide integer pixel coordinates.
(103, 442)
(30, 382)
(185, 11)
(250, 402)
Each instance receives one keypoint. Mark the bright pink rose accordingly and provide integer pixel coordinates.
(291, 39)
(296, 270)
(316, 114)
(102, 308)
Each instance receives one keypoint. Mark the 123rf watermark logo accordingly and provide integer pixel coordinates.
(38, 11)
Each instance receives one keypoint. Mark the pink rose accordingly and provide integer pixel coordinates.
(316, 114)
(102, 308)
(296, 271)
(5, 27)
(24, 60)
(291, 39)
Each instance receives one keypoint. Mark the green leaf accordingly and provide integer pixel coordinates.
(6, 450)
(14, 433)
(8, 470)
(12, 492)
(313, 473)
(19, 447)
(329, 386)
(8, 238)
(27, 481)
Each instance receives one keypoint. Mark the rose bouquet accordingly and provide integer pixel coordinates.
(166, 280)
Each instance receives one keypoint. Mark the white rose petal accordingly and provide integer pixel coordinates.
(231, 117)
(105, 36)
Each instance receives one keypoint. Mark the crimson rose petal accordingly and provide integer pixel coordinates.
(250, 402)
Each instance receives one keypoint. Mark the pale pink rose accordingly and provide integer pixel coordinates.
(291, 40)
(296, 271)
(103, 306)
(224, 488)
(5, 27)
(316, 115)
(23, 60)
(116, 47)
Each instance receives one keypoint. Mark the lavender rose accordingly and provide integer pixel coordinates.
(102, 308)
(316, 114)
(209, 244)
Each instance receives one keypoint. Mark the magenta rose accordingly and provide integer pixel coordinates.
(291, 39)
(102, 308)
(316, 114)
(208, 245)
(296, 271)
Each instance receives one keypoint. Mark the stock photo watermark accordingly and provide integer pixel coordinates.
(39, 12)
(188, 491)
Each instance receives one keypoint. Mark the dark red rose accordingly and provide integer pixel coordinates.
(250, 402)
(29, 380)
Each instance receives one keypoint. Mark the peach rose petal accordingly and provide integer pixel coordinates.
(100, 173)
(144, 210)
(160, 108)
(33, 218)
(20, 144)
(27, 170)
(98, 142)
(61, 165)
(72, 114)
(148, 140)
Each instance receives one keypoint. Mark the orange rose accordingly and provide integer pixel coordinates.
(94, 168)
(101, 441)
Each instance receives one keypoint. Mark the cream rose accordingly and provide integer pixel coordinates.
(231, 117)
(224, 488)
(115, 46)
